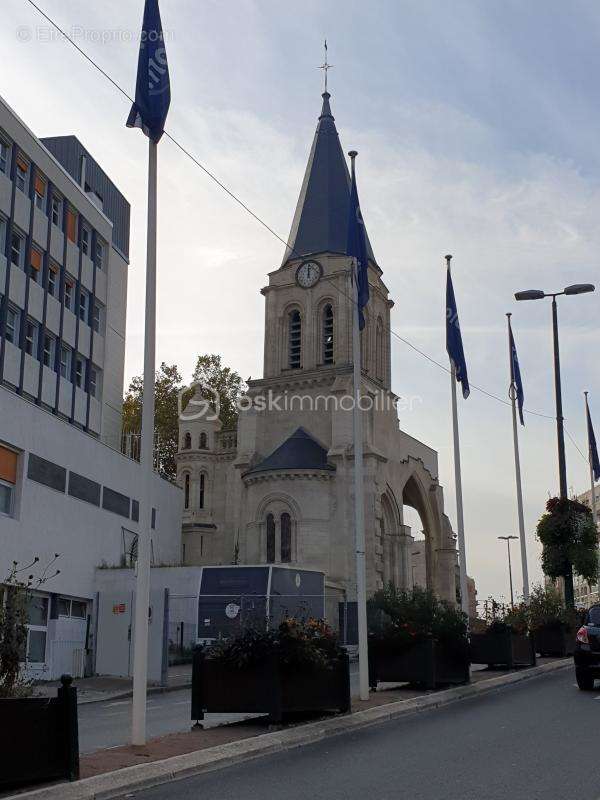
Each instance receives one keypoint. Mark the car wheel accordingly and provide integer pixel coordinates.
(585, 680)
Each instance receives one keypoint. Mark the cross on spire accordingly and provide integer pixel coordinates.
(325, 66)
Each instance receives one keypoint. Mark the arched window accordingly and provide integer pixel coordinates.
(187, 441)
(202, 481)
(295, 340)
(186, 490)
(379, 351)
(203, 441)
(328, 342)
(286, 538)
(364, 344)
(270, 539)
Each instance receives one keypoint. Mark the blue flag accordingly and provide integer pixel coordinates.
(454, 344)
(515, 374)
(595, 461)
(153, 90)
(357, 248)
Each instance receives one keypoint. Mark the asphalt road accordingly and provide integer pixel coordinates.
(537, 740)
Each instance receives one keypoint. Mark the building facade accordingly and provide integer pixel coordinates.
(280, 489)
(64, 486)
(586, 594)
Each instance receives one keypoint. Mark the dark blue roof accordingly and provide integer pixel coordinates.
(320, 223)
(299, 451)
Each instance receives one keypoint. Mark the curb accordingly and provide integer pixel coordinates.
(129, 693)
(144, 776)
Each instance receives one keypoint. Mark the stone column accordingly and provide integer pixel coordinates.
(405, 543)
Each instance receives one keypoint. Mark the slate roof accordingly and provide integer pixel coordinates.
(320, 223)
(299, 451)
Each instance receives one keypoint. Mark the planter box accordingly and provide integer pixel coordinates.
(503, 648)
(553, 641)
(427, 662)
(39, 738)
(266, 688)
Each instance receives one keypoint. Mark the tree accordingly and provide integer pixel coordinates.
(568, 535)
(209, 371)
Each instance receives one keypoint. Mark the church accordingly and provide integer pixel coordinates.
(280, 489)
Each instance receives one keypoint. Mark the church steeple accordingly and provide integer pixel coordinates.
(321, 220)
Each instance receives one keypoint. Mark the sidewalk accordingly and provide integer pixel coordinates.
(99, 688)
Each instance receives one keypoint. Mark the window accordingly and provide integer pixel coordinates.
(187, 441)
(40, 191)
(100, 254)
(57, 212)
(12, 325)
(83, 304)
(295, 340)
(379, 352)
(96, 317)
(53, 280)
(65, 362)
(327, 335)
(4, 157)
(186, 489)
(286, 538)
(202, 482)
(37, 619)
(94, 383)
(8, 479)
(2, 234)
(22, 174)
(270, 539)
(49, 350)
(85, 240)
(31, 338)
(17, 249)
(80, 372)
(203, 441)
(35, 265)
(69, 290)
(71, 225)
(72, 608)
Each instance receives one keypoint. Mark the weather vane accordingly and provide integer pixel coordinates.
(325, 66)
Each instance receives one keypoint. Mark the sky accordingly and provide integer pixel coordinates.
(477, 130)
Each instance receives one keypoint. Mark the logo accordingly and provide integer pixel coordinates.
(205, 403)
(232, 610)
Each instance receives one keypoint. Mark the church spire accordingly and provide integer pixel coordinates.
(320, 224)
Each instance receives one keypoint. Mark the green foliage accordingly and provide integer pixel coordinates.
(568, 535)
(227, 382)
(307, 644)
(547, 609)
(397, 619)
(500, 617)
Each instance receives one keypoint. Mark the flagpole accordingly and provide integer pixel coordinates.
(359, 499)
(464, 597)
(142, 588)
(590, 459)
(513, 401)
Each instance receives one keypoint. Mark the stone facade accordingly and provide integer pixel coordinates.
(282, 487)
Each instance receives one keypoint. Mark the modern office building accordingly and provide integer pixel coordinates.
(586, 594)
(65, 487)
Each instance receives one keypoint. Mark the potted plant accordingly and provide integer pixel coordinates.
(298, 666)
(552, 624)
(416, 638)
(502, 638)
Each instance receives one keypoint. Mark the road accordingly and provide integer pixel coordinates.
(534, 741)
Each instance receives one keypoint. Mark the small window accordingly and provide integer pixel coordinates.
(40, 192)
(295, 340)
(100, 254)
(49, 351)
(64, 607)
(31, 338)
(53, 280)
(71, 225)
(57, 212)
(187, 441)
(4, 157)
(286, 538)
(83, 305)
(96, 318)
(8, 479)
(2, 234)
(203, 441)
(22, 174)
(35, 265)
(12, 325)
(69, 291)
(202, 482)
(17, 249)
(270, 539)
(65, 362)
(85, 240)
(94, 381)
(186, 490)
(328, 335)
(80, 372)
(78, 609)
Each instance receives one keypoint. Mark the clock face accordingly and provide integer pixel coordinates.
(308, 274)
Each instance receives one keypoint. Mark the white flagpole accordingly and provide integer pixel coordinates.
(513, 397)
(591, 462)
(464, 596)
(359, 504)
(142, 588)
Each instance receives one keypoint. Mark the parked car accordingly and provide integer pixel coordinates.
(587, 650)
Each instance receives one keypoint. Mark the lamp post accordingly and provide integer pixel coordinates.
(538, 294)
(507, 540)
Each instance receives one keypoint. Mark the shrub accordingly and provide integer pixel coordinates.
(501, 617)
(568, 535)
(547, 609)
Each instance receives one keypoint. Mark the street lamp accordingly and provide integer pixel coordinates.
(538, 294)
(507, 540)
